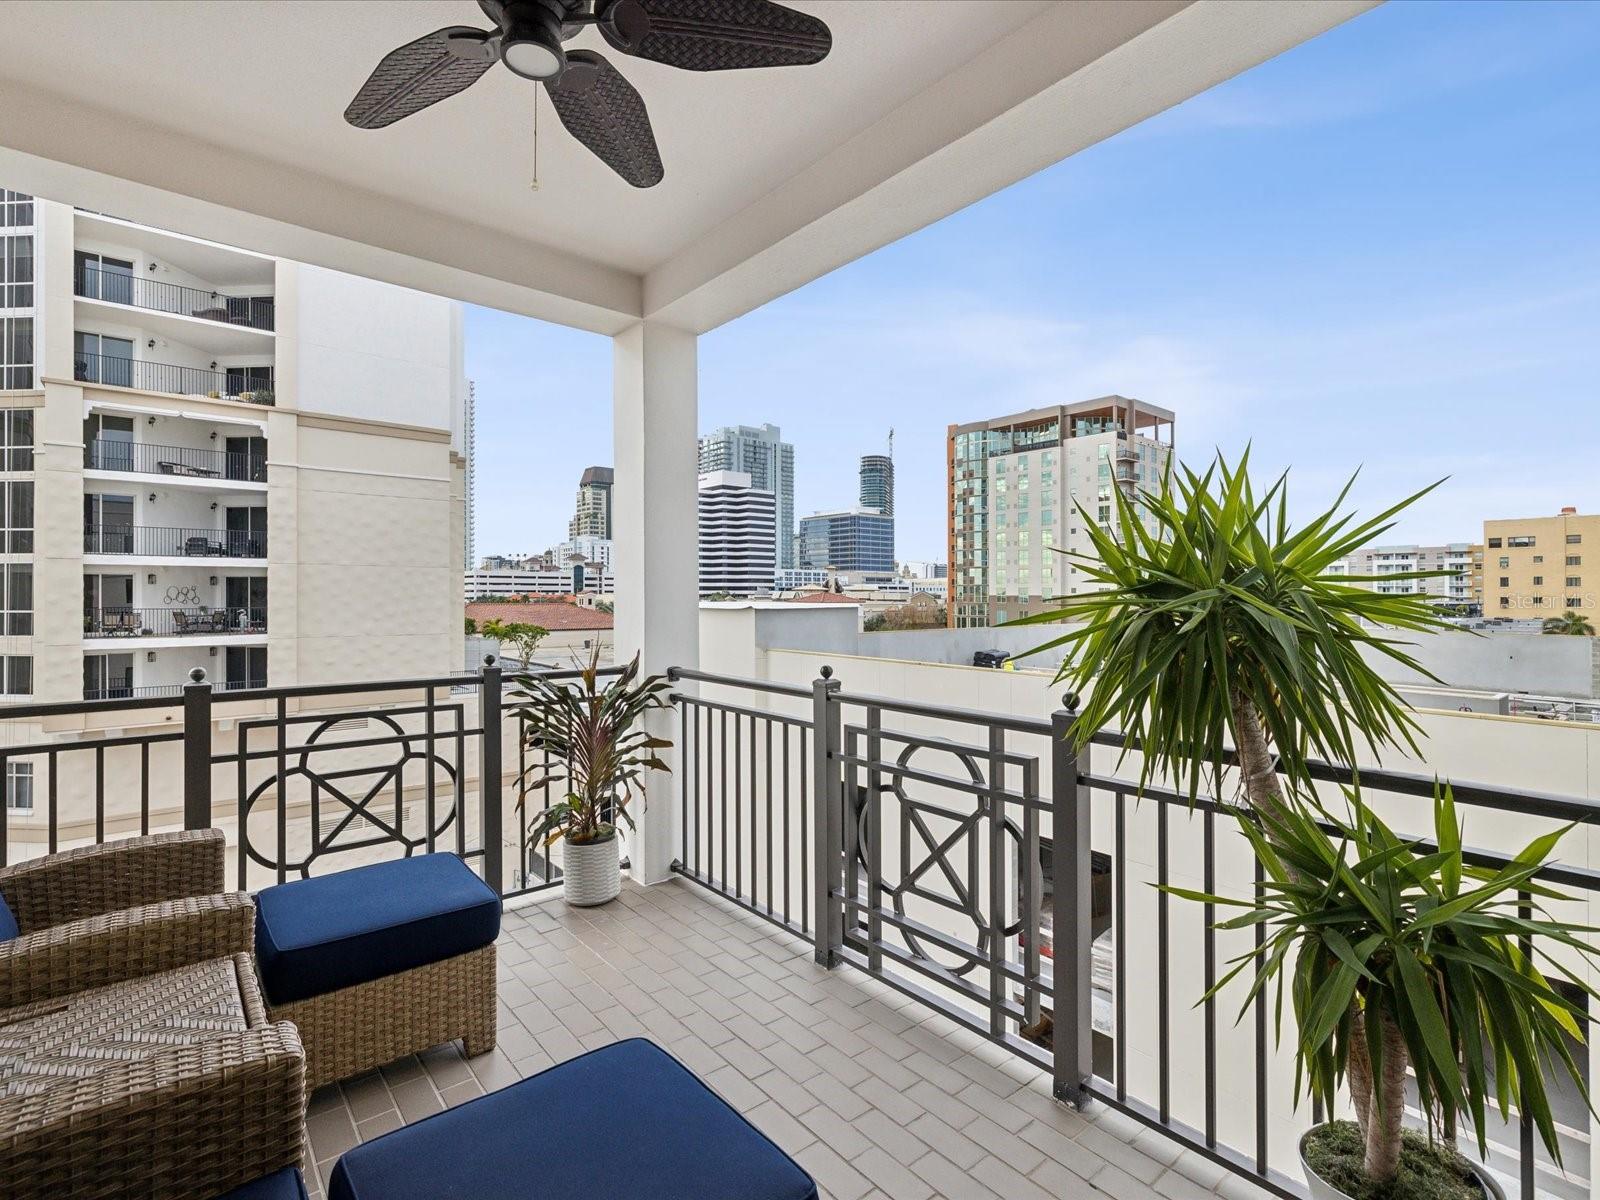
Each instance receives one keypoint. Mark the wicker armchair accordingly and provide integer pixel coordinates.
(166, 1087)
(103, 914)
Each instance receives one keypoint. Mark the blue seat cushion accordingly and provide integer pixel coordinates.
(315, 936)
(8, 922)
(280, 1185)
(625, 1122)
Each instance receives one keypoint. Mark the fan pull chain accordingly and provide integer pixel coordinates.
(534, 184)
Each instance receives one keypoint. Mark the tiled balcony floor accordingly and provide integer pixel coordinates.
(874, 1096)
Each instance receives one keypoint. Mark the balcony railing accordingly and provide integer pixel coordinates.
(119, 622)
(115, 371)
(129, 692)
(116, 287)
(173, 542)
(950, 854)
(970, 861)
(146, 458)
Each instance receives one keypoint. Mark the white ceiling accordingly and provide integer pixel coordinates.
(239, 106)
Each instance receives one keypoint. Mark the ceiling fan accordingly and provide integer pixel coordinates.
(596, 104)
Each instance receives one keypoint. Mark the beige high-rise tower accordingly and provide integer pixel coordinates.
(222, 460)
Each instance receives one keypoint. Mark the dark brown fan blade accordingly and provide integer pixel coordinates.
(421, 73)
(715, 35)
(603, 111)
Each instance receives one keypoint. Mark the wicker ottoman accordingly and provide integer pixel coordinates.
(380, 961)
(683, 1141)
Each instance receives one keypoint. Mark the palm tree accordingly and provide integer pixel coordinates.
(1571, 623)
(1217, 623)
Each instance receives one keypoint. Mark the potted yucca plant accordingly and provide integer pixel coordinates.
(1217, 637)
(585, 739)
(1403, 958)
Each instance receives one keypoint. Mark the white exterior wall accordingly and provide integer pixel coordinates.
(738, 535)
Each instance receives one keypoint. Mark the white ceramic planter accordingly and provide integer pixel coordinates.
(591, 872)
(1321, 1189)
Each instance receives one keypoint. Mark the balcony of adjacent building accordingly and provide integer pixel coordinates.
(196, 300)
(173, 606)
(127, 673)
(195, 451)
(174, 525)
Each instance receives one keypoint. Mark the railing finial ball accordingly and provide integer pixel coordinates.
(1070, 701)
(197, 675)
(488, 660)
(827, 671)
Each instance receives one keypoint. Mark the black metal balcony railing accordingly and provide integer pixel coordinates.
(115, 371)
(146, 458)
(116, 287)
(947, 853)
(119, 622)
(173, 542)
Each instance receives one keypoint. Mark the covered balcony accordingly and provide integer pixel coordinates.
(885, 913)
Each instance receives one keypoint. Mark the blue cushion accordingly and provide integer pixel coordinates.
(625, 1122)
(280, 1185)
(334, 931)
(8, 923)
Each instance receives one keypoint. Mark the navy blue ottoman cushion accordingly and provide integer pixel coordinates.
(328, 932)
(625, 1122)
(280, 1185)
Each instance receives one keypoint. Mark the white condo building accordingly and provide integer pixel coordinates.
(1379, 563)
(738, 535)
(222, 460)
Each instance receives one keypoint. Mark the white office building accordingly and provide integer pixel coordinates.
(738, 535)
(760, 452)
(568, 579)
(222, 460)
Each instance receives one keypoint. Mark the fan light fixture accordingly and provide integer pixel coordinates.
(532, 46)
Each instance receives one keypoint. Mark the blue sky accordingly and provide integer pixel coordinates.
(1380, 250)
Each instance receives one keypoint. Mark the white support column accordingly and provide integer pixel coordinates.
(654, 506)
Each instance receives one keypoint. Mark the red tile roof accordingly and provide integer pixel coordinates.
(554, 615)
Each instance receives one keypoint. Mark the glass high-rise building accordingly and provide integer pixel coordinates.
(761, 453)
(1019, 487)
(851, 542)
(877, 483)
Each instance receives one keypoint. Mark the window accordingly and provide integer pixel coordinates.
(1574, 539)
(1538, 558)
(1494, 543)
(16, 271)
(16, 675)
(16, 439)
(1537, 580)
(1505, 561)
(101, 278)
(1505, 601)
(1505, 581)
(98, 359)
(1574, 581)
(1574, 560)
(16, 352)
(1521, 539)
(1574, 602)
(16, 603)
(19, 787)
(16, 519)
(16, 209)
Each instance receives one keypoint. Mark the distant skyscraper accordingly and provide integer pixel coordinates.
(738, 535)
(877, 483)
(1016, 484)
(593, 515)
(469, 506)
(761, 453)
(851, 541)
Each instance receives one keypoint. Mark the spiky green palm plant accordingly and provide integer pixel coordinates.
(1400, 954)
(1218, 624)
